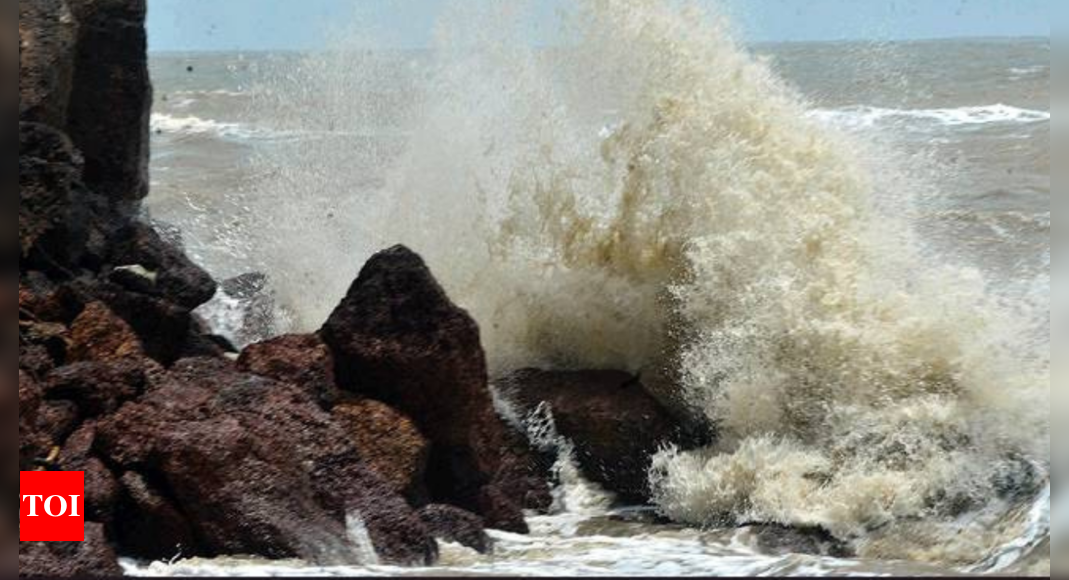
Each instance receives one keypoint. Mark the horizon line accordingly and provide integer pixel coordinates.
(875, 41)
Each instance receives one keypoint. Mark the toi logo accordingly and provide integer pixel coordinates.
(51, 506)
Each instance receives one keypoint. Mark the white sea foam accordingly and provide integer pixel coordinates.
(164, 123)
(863, 117)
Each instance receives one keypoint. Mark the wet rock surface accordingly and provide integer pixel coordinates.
(613, 423)
(784, 540)
(397, 338)
(389, 442)
(92, 558)
(258, 468)
(301, 360)
(156, 267)
(456, 525)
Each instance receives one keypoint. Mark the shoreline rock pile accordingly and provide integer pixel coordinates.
(381, 426)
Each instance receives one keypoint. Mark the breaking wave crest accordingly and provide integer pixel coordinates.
(862, 117)
(752, 262)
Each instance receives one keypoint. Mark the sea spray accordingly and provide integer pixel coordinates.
(650, 197)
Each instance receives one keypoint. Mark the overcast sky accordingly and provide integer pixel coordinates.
(302, 24)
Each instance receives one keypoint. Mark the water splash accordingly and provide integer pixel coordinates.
(652, 198)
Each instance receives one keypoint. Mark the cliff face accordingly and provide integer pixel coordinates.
(84, 71)
(190, 448)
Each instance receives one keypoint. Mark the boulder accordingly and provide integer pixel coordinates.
(101, 486)
(155, 267)
(35, 360)
(41, 300)
(93, 558)
(777, 540)
(167, 331)
(52, 337)
(48, 34)
(256, 303)
(613, 423)
(111, 98)
(301, 360)
(456, 525)
(148, 525)
(98, 389)
(389, 442)
(56, 420)
(98, 334)
(258, 468)
(397, 338)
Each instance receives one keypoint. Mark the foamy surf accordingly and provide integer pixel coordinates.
(863, 117)
(191, 125)
(757, 265)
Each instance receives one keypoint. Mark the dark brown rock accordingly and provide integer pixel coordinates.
(101, 487)
(35, 360)
(41, 300)
(171, 274)
(92, 558)
(167, 331)
(302, 360)
(784, 540)
(397, 338)
(455, 525)
(258, 468)
(99, 388)
(31, 443)
(389, 442)
(501, 511)
(48, 34)
(98, 334)
(149, 525)
(49, 169)
(57, 420)
(614, 425)
(111, 97)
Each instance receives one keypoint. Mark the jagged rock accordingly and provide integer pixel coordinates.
(92, 558)
(101, 487)
(301, 360)
(257, 468)
(256, 303)
(52, 337)
(35, 360)
(245, 286)
(154, 267)
(167, 331)
(98, 334)
(111, 98)
(389, 442)
(48, 34)
(785, 540)
(614, 425)
(56, 420)
(525, 472)
(99, 388)
(149, 525)
(501, 511)
(41, 300)
(456, 525)
(397, 338)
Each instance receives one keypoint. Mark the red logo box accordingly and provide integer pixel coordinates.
(51, 506)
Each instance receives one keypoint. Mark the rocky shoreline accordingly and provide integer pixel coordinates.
(376, 434)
